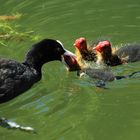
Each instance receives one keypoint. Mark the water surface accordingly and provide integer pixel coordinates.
(62, 106)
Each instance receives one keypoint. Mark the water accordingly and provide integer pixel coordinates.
(62, 106)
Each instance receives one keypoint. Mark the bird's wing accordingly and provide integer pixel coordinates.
(9, 72)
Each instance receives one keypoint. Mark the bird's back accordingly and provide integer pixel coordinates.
(131, 51)
(100, 74)
(15, 78)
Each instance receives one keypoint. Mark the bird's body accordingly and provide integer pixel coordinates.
(16, 78)
(103, 56)
(102, 53)
(130, 52)
(83, 50)
(100, 74)
(113, 57)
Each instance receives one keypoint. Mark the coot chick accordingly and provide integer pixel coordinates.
(81, 48)
(104, 74)
(16, 78)
(86, 52)
(126, 54)
(105, 54)
(101, 52)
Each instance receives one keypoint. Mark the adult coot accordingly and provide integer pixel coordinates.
(16, 78)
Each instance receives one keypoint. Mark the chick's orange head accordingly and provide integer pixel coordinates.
(102, 45)
(81, 43)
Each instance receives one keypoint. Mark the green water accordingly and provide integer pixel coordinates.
(62, 106)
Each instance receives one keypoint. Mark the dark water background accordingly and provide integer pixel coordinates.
(62, 106)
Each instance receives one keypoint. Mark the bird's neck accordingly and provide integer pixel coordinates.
(33, 64)
(79, 57)
(107, 57)
(34, 60)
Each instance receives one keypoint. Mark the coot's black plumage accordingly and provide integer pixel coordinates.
(16, 78)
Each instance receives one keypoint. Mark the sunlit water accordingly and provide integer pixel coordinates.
(62, 106)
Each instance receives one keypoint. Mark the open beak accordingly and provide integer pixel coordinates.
(70, 61)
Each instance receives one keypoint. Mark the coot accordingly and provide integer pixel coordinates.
(105, 54)
(16, 78)
(104, 74)
(81, 48)
(125, 54)
(101, 52)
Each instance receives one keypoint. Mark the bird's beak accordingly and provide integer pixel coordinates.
(70, 61)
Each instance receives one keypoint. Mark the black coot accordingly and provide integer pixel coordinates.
(16, 78)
